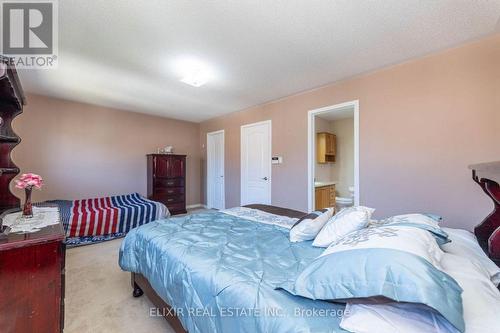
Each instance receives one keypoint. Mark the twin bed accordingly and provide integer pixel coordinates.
(221, 272)
(95, 220)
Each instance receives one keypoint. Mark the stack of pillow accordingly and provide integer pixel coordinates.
(389, 272)
(325, 228)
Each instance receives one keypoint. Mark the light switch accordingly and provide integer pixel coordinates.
(276, 159)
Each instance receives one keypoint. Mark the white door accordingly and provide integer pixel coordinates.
(256, 163)
(215, 170)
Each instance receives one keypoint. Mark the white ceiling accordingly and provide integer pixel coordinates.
(119, 53)
(339, 114)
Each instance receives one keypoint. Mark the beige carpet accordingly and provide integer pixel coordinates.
(99, 296)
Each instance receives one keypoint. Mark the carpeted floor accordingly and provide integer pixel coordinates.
(99, 296)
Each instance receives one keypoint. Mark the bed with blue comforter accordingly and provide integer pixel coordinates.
(219, 273)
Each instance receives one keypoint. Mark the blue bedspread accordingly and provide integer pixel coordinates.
(219, 272)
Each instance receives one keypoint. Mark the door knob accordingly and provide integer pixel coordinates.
(265, 178)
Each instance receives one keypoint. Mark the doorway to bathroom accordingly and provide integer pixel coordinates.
(333, 156)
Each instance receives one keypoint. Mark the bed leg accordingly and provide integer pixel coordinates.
(137, 291)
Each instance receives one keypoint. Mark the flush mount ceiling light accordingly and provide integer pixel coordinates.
(196, 78)
(193, 72)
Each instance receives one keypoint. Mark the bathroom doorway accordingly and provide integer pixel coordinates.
(333, 156)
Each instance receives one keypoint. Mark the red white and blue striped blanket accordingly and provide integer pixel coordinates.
(94, 220)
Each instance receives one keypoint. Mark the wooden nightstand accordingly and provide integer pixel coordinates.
(32, 281)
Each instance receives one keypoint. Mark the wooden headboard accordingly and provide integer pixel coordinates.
(488, 231)
(12, 100)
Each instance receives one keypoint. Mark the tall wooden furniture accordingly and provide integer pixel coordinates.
(488, 231)
(324, 196)
(326, 147)
(11, 104)
(31, 264)
(167, 181)
(32, 281)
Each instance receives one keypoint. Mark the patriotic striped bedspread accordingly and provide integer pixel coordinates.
(99, 219)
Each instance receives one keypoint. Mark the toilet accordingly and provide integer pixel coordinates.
(343, 202)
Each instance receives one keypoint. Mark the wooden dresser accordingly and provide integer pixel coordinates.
(167, 181)
(32, 281)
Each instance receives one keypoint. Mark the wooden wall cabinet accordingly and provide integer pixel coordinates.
(326, 150)
(167, 181)
(325, 197)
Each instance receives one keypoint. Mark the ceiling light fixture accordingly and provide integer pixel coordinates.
(193, 72)
(196, 78)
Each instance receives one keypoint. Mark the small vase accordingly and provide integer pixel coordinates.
(28, 208)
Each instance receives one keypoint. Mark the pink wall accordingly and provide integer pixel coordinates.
(421, 124)
(88, 151)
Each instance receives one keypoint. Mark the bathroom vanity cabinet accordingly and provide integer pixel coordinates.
(325, 196)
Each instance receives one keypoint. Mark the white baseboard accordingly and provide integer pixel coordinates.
(199, 205)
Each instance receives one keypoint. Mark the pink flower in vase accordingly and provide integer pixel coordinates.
(29, 180)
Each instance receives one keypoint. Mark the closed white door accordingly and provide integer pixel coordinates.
(256, 163)
(215, 170)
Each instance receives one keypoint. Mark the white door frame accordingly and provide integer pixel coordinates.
(209, 196)
(312, 149)
(269, 159)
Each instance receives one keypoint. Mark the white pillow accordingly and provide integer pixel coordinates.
(464, 243)
(307, 227)
(394, 317)
(412, 240)
(481, 299)
(422, 221)
(409, 219)
(481, 306)
(344, 222)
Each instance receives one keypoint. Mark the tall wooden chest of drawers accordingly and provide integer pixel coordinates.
(167, 181)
